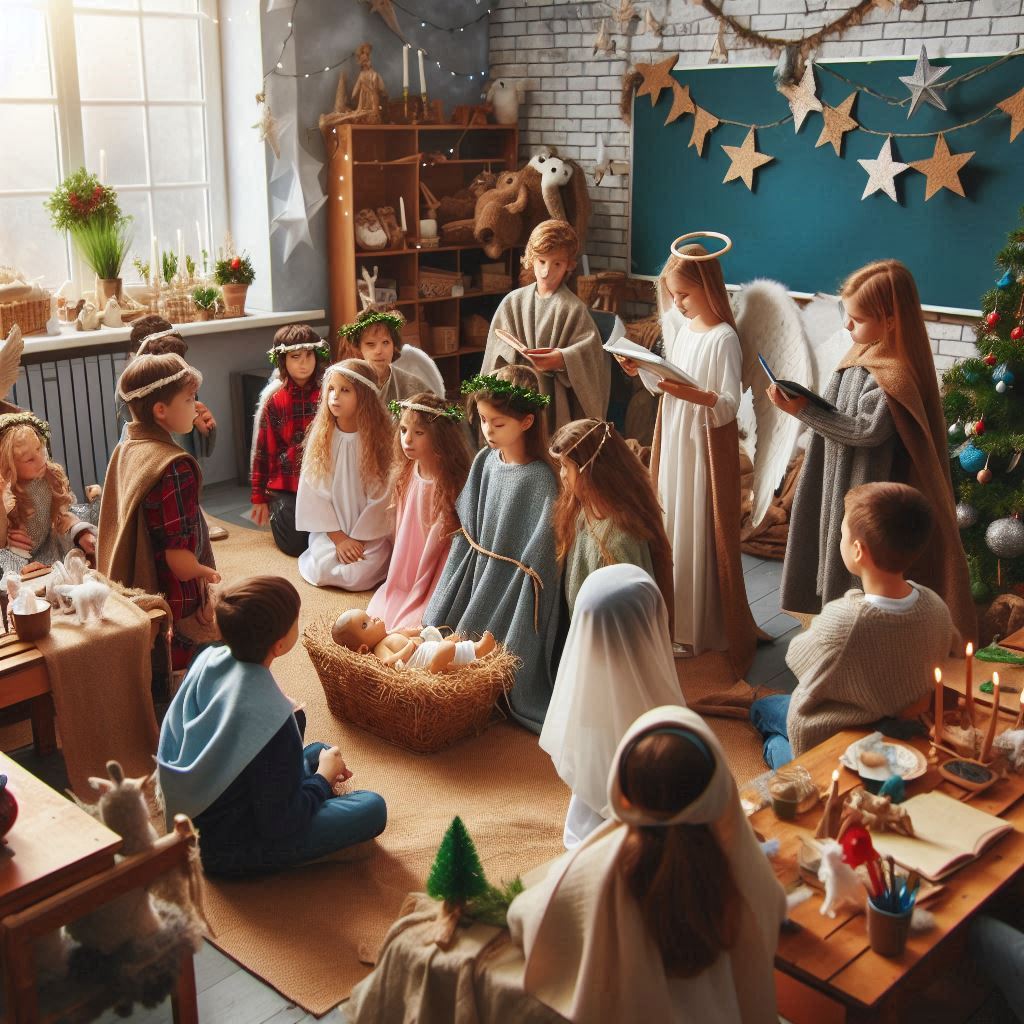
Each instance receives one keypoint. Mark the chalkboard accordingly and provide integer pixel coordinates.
(805, 223)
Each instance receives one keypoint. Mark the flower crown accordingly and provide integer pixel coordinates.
(450, 412)
(320, 349)
(26, 419)
(506, 389)
(395, 321)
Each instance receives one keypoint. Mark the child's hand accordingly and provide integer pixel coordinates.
(204, 421)
(260, 514)
(331, 765)
(349, 550)
(629, 366)
(211, 575)
(793, 406)
(687, 393)
(18, 538)
(547, 360)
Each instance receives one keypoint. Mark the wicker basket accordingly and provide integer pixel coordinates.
(475, 329)
(494, 277)
(437, 284)
(412, 708)
(444, 340)
(29, 314)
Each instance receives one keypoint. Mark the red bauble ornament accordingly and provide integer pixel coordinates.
(979, 428)
(990, 360)
(992, 319)
(1017, 333)
(984, 476)
(236, 264)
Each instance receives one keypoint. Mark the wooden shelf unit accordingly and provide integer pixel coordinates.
(374, 165)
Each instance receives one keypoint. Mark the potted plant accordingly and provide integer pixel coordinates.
(89, 212)
(205, 298)
(234, 275)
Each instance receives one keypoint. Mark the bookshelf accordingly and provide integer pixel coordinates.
(374, 165)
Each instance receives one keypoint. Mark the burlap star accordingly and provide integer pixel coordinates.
(704, 122)
(942, 169)
(882, 172)
(801, 97)
(837, 123)
(681, 102)
(745, 160)
(1014, 106)
(656, 77)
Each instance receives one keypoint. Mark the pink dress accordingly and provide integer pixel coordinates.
(416, 561)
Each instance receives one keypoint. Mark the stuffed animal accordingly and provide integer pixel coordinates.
(88, 318)
(86, 599)
(69, 573)
(505, 95)
(840, 880)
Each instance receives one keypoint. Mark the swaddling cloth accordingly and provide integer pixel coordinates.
(465, 650)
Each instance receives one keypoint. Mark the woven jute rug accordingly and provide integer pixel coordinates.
(309, 932)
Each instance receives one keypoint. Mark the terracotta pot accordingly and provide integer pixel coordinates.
(234, 298)
(203, 314)
(107, 287)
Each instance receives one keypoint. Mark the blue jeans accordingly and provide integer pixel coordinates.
(768, 716)
(998, 948)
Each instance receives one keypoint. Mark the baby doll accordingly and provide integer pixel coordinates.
(40, 526)
(406, 648)
(376, 336)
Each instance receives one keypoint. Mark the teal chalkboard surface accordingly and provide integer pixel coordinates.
(805, 223)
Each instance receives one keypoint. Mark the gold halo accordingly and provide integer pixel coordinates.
(701, 234)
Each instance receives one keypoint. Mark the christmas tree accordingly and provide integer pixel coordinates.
(985, 413)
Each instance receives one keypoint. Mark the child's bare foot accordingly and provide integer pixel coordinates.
(485, 644)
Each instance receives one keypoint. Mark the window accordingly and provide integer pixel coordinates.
(137, 81)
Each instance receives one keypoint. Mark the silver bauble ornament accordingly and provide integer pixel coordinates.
(1005, 537)
(966, 515)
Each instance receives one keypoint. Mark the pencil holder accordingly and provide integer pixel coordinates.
(32, 627)
(887, 932)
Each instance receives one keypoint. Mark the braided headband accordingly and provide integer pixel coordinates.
(319, 348)
(451, 412)
(507, 390)
(148, 389)
(597, 426)
(394, 320)
(26, 419)
(155, 337)
(352, 375)
(663, 730)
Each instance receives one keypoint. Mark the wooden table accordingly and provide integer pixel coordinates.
(826, 972)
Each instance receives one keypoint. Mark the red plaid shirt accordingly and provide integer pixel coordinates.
(278, 457)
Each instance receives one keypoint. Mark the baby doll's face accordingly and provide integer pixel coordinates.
(377, 347)
(342, 400)
(500, 429)
(30, 458)
(177, 415)
(864, 328)
(416, 443)
(300, 365)
(362, 630)
(551, 269)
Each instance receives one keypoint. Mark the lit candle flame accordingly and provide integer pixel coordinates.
(970, 650)
(938, 675)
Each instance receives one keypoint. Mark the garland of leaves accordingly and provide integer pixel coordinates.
(319, 349)
(451, 412)
(394, 323)
(505, 389)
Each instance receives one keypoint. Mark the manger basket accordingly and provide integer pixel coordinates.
(412, 708)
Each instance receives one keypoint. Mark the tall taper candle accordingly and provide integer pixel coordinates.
(181, 254)
(199, 246)
(103, 167)
(1020, 714)
(937, 732)
(423, 82)
(405, 65)
(154, 264)
(986, 750)
(969, 683)
(401, 213)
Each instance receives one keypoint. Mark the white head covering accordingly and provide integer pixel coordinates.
(617, 663)
(588, 953)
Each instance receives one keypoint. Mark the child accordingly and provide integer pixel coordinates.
(548, 319)
(283, 415)
(376, 336)
(888, 425)
(431, 463)
(695, 459)
(502, 573)
(150, 533)
(411, 648)
(870, 654)
(670, 913)
(40, 525)
(607, 512)
(343, 495)
(231, 754)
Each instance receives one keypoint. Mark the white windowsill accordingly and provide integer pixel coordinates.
(70, 339)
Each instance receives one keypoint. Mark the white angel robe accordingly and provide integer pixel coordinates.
(342, 503)
(715, 360)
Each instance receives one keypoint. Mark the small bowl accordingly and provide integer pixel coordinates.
(32, 627)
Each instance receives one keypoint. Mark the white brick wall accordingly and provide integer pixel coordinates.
(575, 95)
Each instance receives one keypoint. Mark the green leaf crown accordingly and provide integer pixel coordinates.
(523, 398)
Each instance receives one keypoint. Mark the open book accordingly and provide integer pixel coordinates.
(661, 368)
(793, 390)
(512, 340)
(947, 835)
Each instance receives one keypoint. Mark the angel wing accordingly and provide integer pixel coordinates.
(416, 361)
(829, 339)
(10, 360)
(768, 321)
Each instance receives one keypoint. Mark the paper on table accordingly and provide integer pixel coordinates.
(655, 363)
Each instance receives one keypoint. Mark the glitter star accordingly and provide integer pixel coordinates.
(942, 169)
(801, 97)
(745, 160)
(882, 172)
(837, 123)
(921, 84)
(656, 77)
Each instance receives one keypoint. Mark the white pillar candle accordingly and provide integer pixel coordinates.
(405, 65)
(181, 253)
(423, 79)
(401, 213)
(103, 167)
(154, 262)
(199, 244)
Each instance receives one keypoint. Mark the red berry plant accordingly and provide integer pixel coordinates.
(234, 270)
(80, 198)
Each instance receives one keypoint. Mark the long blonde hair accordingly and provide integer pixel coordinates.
(60, 486)
(374, 425)
(703, 274)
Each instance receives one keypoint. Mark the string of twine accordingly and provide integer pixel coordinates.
(538, 583)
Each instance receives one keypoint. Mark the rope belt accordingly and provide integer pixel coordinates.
(538, 584)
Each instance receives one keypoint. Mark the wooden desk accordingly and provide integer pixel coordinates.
(832, 956)
(54, 843)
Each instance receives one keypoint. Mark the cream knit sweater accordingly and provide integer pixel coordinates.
(858, 662)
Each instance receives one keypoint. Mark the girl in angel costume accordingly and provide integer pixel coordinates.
(342, 499)
(669, 912)
(502, 574)
(431, 463)
(888, 425)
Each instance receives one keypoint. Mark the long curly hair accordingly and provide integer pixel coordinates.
(60, 487)
(374, 424)
(452, 459)
(703, 274)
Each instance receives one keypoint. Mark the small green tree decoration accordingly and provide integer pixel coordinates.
(169, 266)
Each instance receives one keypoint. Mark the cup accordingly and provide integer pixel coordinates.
(428, 228)
(887, 931)
(32, 627)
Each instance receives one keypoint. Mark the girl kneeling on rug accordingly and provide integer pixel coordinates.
(668, 913)
(231, 754)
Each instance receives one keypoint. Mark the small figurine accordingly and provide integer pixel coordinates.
(505, 96)
(112, 314)
(368, 94)
(86, 599)
(88, 318)
(408, 648)
(876, 813)
(840, 880)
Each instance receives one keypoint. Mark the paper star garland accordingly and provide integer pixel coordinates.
(1014, 106)
(603, 42)
(656, 77)
(719, 52)
(651, 23)
(290, 216)
(942, 169)
(801, 97)
(745, 160)
(882, 172)
(681, 102)
(704, 122)
(837, 123)
(922, 84)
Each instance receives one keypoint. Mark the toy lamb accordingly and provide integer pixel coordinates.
(506, 96)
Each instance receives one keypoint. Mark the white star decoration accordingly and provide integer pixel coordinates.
(922, 84)
(801, 97)
(270, 130)
(882, 172)
(291, 216)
